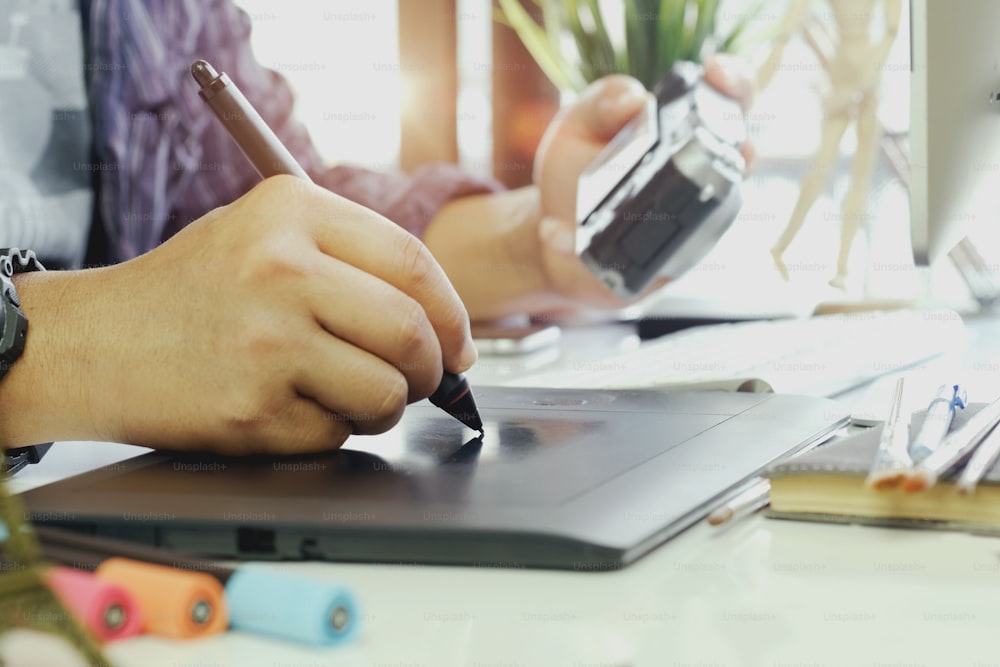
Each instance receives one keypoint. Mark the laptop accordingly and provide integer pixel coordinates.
(584, 480)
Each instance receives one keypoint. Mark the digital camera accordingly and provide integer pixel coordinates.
(660, 195)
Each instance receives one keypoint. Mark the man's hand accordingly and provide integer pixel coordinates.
(573, 141)
(283, 322)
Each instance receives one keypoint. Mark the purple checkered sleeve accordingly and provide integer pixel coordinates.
(164, 160)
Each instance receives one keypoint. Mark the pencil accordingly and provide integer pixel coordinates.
(983, 459)
(752, 499)
(892, 460)
(956, 446)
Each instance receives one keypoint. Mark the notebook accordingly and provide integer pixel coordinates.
(828, 484)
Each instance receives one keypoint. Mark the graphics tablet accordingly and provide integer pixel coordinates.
(573, 479)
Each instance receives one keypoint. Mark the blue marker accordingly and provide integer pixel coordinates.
(266, 601)
(940, 414)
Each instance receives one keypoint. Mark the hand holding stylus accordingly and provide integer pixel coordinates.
(281, 323)
(270, 157)
(275, 327)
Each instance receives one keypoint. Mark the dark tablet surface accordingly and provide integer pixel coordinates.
(574, 479)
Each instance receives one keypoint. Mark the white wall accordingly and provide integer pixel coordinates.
(342, 59)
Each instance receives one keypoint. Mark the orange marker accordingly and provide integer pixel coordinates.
(174, 603)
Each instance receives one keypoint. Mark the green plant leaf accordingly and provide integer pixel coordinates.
(704, 26)
(691, 9)
(500, 17)
(548, 56)
(641, 37)
(553, 21)
(573, 45)
(602, 40)
(581, 38)
(632, 56)
(651, 16)
(671, 37)
(736, 40)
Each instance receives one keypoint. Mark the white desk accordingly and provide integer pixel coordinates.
(758, 592)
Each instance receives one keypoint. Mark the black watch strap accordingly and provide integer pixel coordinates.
(13, 332)
(12, 262)
(13, 323)
(19, 457)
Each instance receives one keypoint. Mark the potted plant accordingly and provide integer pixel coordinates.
(578, 42)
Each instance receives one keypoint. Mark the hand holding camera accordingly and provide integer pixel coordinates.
(666, 188)
(577, 143)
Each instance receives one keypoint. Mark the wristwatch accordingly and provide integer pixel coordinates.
(13, 323)
(13, 331)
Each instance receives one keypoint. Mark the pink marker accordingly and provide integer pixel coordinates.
(104, 608)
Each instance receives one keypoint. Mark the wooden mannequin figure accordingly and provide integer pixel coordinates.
(854, 71)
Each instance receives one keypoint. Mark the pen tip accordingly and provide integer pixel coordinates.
(476, 423)
(720, 516)
(203, 72)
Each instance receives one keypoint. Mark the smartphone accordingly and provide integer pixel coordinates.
(514, 340)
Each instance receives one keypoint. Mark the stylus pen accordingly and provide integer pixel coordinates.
(258, 600)
(270, 158)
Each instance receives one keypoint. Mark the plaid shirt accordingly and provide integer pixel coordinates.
(163, 160)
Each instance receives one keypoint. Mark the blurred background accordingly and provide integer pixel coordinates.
(356, 90)
(392, 84)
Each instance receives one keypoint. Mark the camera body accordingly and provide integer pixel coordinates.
(666, 188)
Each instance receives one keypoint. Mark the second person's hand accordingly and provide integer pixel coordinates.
(571, 143)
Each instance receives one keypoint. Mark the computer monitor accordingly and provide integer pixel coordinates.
(954, 122)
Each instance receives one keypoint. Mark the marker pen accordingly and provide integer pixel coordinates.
(106, 609)
(172, 603)
(259, 599)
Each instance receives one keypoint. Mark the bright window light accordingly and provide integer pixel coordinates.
(342, 60)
